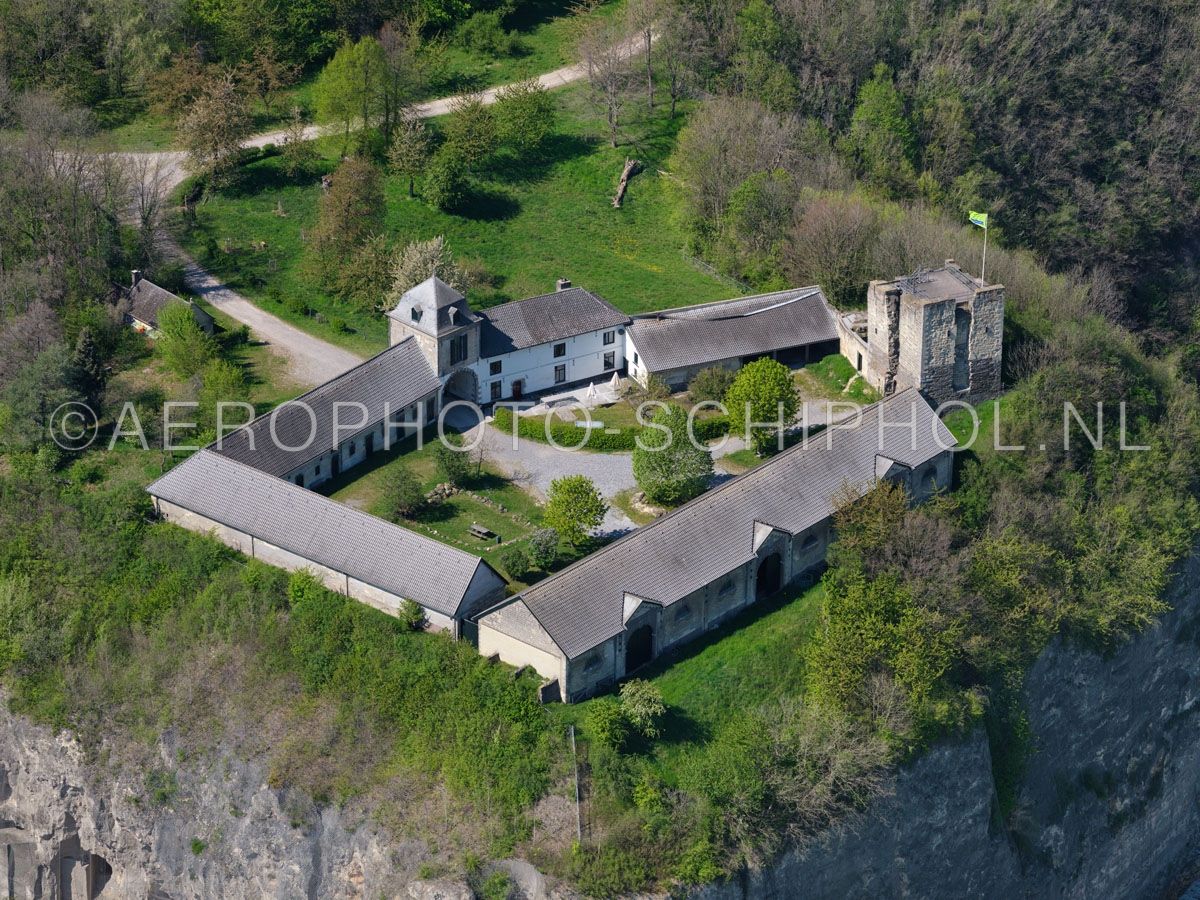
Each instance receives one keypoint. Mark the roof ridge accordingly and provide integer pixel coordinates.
(751, 475)
(658, 314)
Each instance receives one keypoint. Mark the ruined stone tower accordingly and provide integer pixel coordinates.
(939, 331)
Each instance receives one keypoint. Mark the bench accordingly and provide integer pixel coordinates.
(484, 533)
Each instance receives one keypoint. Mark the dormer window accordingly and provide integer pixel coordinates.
(415, 312)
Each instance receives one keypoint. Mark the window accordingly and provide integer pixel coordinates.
(300, 479)
(610, 337)
(560, 374)
(415, 314)
(560, 350)
(352, 448)
(495, 367)
(635, 358)
(497, 386)
(317, 471)
(610, 359)
(858, 364)
(458, 349)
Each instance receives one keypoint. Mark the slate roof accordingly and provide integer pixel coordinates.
(543, 319)
(436, 301)
(386, 383)
(324, 531)
(582, 606)
(711, 332)
(147, 300)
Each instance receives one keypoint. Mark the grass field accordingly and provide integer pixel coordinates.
(530, 225)
(448, 521)
(827, 379)
(758, 654)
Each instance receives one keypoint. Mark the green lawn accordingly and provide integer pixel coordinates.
(757, 655)
(530, 225)
(826, 379)
(363, 488)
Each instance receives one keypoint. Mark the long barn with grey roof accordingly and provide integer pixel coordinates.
(670, 581)
(673, 345)
(366, 558)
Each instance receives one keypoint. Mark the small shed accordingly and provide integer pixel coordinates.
(147, 300)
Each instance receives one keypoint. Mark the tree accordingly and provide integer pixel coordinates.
(607, 56)
(681, 50)
(419, 261)
(574, 507)
(220, 382)
(447, 179)
(644, 15)
(403, 495)
(265, 74)
(182, 343)
(830, 244)
(517, 561)
(88, 369)
(350, 87)
(543, 548)
(31, 396)
(606, 724)
(213, 128)
(762, 393)
(453, 464)
(404, 74)
(880, 140)
(349, 213)
(150, 180)
(525, 114)
(711, 384)
(758, 65)
(643, 707)
(298, 151)
(471, 130)
(669, 465)
(410, 149)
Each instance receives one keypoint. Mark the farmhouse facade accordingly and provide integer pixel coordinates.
(144, 300)
(689, 571)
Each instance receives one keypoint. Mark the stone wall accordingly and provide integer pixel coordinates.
(1109, 805)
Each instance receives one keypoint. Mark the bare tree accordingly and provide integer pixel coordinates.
(605, 48)
(214, 126)
(643, 18)
(149, 182)
(403, 74)
(681, 51)
(265, 75)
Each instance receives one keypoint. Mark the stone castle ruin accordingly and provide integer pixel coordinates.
(939, 331)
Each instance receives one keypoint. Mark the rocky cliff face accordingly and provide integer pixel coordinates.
(1110, 806)
(71, 829)
(1110, 802)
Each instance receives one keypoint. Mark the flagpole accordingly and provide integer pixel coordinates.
(983, 267)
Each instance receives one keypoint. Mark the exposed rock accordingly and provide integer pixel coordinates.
(440, 890)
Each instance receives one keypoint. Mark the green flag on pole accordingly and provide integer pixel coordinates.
(980, 219)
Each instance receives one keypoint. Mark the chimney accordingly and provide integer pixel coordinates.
(562, 284)
(451, 311)
(134, 277)
(951, 264)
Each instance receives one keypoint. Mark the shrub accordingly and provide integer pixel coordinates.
(403, 495)
(524, 115)
(517, 561)
(670, 466)
(711, 384)
(447, 181)
(183, 345)
(606, 724)
(411, 615)
(763, 390)
(543, 548)
(643, 707)
(453, 464)
(484, 33)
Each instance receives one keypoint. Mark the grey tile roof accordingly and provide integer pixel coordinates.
(147, 300)
(540, 320)
(437, 302)
(386, 383)
(698, 335)
(664, 561)
(384, 555)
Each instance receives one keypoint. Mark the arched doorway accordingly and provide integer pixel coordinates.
(770, 577)
(462, 385)
(639, 649)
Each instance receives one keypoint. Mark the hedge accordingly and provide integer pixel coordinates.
(568, 434)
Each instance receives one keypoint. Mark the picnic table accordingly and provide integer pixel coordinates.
(483, 533)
